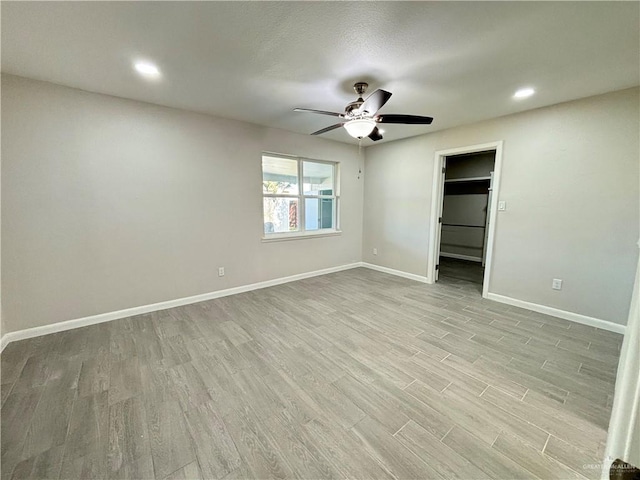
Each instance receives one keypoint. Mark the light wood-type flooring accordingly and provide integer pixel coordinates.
(356, 374)
(462, 270)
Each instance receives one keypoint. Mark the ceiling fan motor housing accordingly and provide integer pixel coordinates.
(354, 106)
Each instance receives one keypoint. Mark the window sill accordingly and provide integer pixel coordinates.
(283, 237)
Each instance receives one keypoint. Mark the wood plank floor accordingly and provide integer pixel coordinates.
(356, 374)
(461, 269)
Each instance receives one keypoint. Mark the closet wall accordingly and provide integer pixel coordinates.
(466, 196)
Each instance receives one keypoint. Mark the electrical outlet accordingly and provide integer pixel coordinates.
(375, 251)
(556, 284)
(221, 271)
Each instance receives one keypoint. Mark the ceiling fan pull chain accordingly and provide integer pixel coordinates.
(360, 159)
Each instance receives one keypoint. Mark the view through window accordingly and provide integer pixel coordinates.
(299, 195)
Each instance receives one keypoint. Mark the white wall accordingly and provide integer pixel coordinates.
(570, 180)
(623, 438)
(110, 203)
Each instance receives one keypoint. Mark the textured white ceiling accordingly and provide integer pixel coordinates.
(459, 62)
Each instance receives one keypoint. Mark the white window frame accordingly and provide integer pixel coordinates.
(300, 196)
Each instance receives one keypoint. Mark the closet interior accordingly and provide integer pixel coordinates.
(465, 213)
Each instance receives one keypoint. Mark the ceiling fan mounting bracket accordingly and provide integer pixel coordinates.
(360, 88)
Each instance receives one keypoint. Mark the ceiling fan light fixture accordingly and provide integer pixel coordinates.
(360, 127)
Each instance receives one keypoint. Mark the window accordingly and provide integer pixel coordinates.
(300, 196)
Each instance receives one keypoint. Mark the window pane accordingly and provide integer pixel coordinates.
(317, 178)
(280, 215)
(279, 175)
(318, 213)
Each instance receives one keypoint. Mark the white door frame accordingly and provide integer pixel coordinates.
(437, 197)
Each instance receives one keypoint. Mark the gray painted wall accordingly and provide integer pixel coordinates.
(109, 204)
(570, 179)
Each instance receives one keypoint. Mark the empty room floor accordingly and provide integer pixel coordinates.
(454, 268)
(356, 374)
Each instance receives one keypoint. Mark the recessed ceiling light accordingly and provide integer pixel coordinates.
(524, 93)
(147, 69)
(381, 131)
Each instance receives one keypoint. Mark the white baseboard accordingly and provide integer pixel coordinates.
(129, 312)
(555, 312)
(398, 273)
(461, 257)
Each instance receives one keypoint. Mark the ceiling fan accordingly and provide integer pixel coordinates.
(361, 117)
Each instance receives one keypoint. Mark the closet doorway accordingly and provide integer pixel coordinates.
(464, 204)
(465, 215)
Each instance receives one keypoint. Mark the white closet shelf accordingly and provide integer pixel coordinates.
(467, 179)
